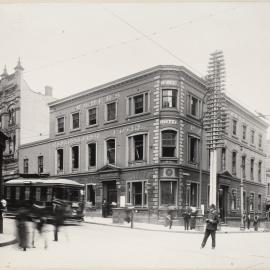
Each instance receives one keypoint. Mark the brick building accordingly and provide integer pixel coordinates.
(17, 121)
(137, 140)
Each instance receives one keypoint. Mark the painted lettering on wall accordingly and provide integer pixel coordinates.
(77, 140)
(128, 129)
(168, 122)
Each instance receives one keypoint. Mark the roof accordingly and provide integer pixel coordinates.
(42, 181)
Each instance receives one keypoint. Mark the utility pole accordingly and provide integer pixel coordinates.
(216, 116)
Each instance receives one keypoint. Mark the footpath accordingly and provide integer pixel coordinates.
(7, 239)
(162, 228)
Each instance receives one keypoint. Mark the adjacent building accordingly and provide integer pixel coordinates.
(137, 141)
(24, 116)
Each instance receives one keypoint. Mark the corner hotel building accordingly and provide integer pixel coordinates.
(137, 140)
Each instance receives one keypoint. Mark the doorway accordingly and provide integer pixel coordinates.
(109, 197)
(223, 202)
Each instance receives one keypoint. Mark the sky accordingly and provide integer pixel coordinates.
(73, 47)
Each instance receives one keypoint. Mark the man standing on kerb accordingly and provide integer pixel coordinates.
(211, 226)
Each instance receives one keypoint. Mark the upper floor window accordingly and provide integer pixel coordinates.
(40, 164)
(60, 124)
(11, 116)
(60, 160)
(110, 147)
(75, 120)
(193, 150)
(92, 155)
(260, 140)
(234, 127)
(252, 169)
(25, 165)
(92, 116)
(234, 163)
(91, 194)
(223, 159)
(268, 189)
(194, 106)
(138, 104)
(244, 135)
(111, 111)
(168, 143)
(243, 167)
(169, 98)
(137, 148)
(252, 136)
(75, 154)
(260, 171)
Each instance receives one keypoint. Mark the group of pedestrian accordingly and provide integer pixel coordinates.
(247, 221)
(35, 220)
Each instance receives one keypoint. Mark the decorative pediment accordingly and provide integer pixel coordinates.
(109, 168)
(225, 173)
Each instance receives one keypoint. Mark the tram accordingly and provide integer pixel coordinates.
(44, 193)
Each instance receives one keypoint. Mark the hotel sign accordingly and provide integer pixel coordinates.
(169, 122)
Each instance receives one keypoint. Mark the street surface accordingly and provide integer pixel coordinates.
(89, 246)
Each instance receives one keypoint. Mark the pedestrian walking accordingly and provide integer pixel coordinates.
(59, 211)
(168, 220)
(256, 222)
(211, 226)
(248, 221)
(22, 233)
(244, 220)
(186, 215)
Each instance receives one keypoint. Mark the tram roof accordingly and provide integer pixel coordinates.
(42, 181)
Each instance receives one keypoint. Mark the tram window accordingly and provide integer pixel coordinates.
(59, 193)
(74, 195)
(38, 193)
(27, 193)
(49, 194)
(17, 194)
(91, 194)
(8, 193)
(43, 194)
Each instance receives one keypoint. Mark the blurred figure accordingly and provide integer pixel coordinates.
(59, 210)
(168, 220)
(39, 221)
(244, 219)
(186, 215)
(248, 221)
(22, 233)
(211, 226)
(256, 221)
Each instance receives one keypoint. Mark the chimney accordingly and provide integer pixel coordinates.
(48, 91)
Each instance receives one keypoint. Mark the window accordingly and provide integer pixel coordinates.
(91, 194)
(259, 171)
(193, 150)
(60, 160)
(40, 164)
(252, 169)
(60, 124)
(234, 127)
(194, 106)
(168, 143)
(252, 136)
(27, 193)
(223, 159)
(25, 165)
(49, 194)
(137, 148)
(75, 120)
(111, 111)
(138, 104)
(92, 116)
(194, 187)
(234, 163)
(244, 135)
(137, 193)
(169, 98)
(233, 200)
(75, 157)
(38, 193)
(260, 141)
(168, 191)
(92, 155)
(243, 167)
(17, 193)
(110, 151)
(251, 202)
(259, 202)
(11, 116)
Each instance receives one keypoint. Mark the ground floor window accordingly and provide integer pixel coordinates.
(194, 193)
(233, 200)
(38, 193)
(251, 202)
(137, 193)
(91, 195)
(259, 202)
(168, 192)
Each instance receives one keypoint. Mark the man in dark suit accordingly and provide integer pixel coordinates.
(211, 226)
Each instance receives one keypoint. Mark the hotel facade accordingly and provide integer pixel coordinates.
(137, 141)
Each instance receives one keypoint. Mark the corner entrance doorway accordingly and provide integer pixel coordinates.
(109, 197)
(223, 202)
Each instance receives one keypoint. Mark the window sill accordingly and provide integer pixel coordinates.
(111, 121)
(137, 115)
(91, 126)
(137, 163)
(92, 168)
(75, 129)
(235, 137)
(244, 141)
(169, 109)
(60, 133)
